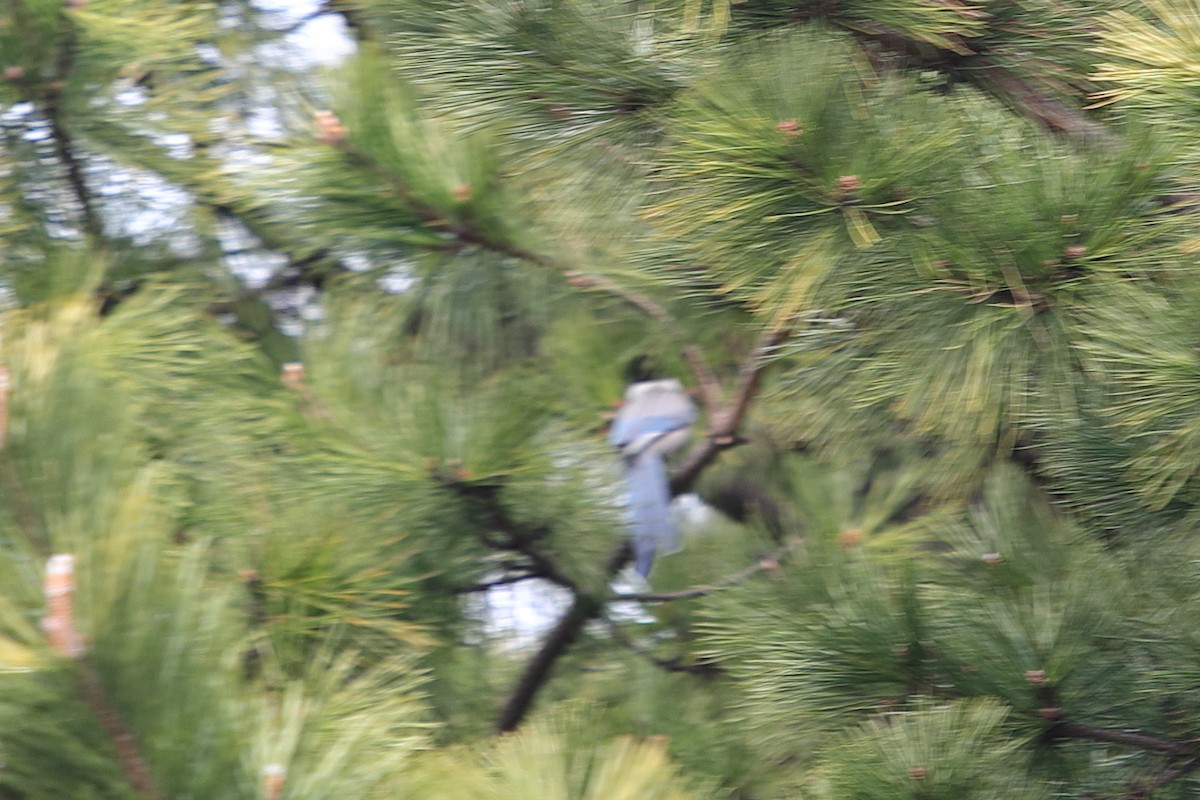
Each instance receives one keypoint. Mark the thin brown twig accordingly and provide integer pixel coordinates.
(647, 305)
(766, 564)
(711, 396)
(724, 422)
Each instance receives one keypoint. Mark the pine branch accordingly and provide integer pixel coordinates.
(65, 639)
(1043, 109)
(1145, 790)
(1145, 741)
(308, 266)
(507, 580)
(321, 10)
(128, 755)
(516, 537)
(64, 149)
(709, 387)
(676, 664)
(767, 564)
(996, 80)
(48, 95)
(466, 234)
(64, 143)
(647, 305)
(584, 608)
(725, 419)
(1141, 740)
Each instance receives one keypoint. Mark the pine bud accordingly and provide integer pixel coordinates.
(59, 622)
(917, 773)
(330, 129)
(850, 538)
(292, 375)
(789, 127)
(274, 777)
(13, 73)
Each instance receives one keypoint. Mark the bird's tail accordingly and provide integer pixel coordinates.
(650, 520)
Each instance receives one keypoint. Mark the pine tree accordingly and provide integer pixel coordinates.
(924, 265)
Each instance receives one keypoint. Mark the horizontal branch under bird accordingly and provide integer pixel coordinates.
(769, 563)
(674, 664)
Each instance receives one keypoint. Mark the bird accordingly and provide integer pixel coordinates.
(654, 421)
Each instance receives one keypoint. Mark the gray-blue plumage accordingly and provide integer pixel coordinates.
(654, 421)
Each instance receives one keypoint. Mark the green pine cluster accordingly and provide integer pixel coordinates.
(308, 367)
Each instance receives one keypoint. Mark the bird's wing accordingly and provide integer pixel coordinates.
(652, 409)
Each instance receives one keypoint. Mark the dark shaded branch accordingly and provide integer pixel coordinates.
(995, 79)
(724, 421)
(64, 150)
(320, 11)
(355, 18)
(64, 143)
(766, 564)
(709, 387)
(128, 755)
(702, 669)
(1145, 790)
(507, 580)
(584, 608)
(1139, 739)
(516, 537)
(311, 266)
(1027, 100)
(1144, 741)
